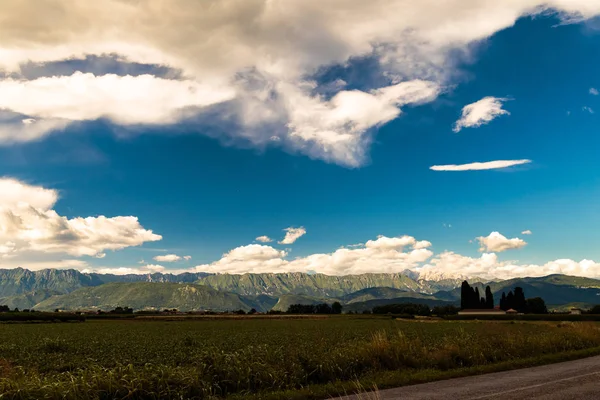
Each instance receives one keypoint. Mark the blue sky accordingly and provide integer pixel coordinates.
(210, 183)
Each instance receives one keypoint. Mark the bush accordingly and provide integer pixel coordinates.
(403, 308)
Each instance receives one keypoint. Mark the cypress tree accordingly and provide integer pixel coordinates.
(510, 301)
(520, 302)
(503, 302)
(477, 299)
(465, 292)
(489, 298)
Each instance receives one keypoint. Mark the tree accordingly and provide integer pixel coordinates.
(520, 302)
(252, 311)
(465, 294)
(489, 298)
(594, 310)
(536, 305)
(336, 308)
(403, 308)
(441, 311)
(477, 299)
(323, 308)
(510, 300)
(503, 302)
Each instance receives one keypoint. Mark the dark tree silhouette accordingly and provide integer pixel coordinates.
(470, 297)
(336, 308)
(477, 299)
(536, 305)
(445, 310)
(489, 298)
(465, 295)
(503, 302)
(510, 300)
(594, 310)
(520, 303)
(404, 308)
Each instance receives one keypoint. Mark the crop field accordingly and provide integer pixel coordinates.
(264, 358)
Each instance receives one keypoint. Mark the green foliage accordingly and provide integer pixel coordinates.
(212, 359)
(594, 310)
(336, 307)
(322, 308)
(144, 295)
(536, 305)
(470, 297)
(406, 308)
(442, 311)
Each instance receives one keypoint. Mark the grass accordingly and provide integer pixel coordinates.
(267, 358)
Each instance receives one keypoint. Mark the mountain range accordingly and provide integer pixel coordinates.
(73, 290)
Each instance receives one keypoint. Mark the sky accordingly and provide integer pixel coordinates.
(453, 139)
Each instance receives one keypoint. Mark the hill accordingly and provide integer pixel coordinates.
(147, 295)
(377, 293)
(554, 289)
(27, 300)
(316, 285)
(20, 281)
(429, 300)
(288, 299)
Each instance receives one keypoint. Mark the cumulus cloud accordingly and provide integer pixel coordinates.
(477, 166)
(264, 239)
(488, 266)
(187, 258)
(527, 232)
(167, 258)
(480, 113)
(28, 223)
(381, 255)
(146, 269)
(265, 78)
(292, 234)
(594, 91)
(126, 100)
(496, 242)
(588, 109)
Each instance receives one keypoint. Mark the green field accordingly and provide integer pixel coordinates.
(266, 358)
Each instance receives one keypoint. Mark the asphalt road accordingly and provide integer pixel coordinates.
(578, 379)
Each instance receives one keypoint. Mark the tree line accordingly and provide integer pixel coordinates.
(322, 308)
(470, 298)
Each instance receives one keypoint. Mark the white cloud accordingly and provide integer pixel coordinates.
(477, 166)
(594, 91)
(146, 269)
(381, 255)
(265, 73)
(29, 224)
(187, 258)
(263, 239)
(167, 258)
(588, 109)
(292, 234)
(39, 265)
(126, 100)
(527, 232)
(496, 242)
(488, 266)
(480, 113)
